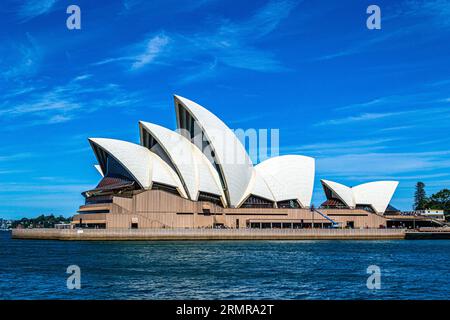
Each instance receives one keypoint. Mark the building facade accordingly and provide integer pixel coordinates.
(200, 176)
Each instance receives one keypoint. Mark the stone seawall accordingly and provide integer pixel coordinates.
(208, 234)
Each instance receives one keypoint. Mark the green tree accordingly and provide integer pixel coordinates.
(440, 200)
(420, 196)
(41, 221)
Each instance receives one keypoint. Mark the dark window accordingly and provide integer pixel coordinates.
(134, 226)
(99, 199)
(257, 202)
(365, 207)
(391, 210)
(293, 204)
(255, 225)
(115, 169)
(333, 204)
(93, 211)
(209, 197)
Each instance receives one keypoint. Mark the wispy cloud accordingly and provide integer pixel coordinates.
(5, 172)
(13, 157)
(397, 128)
(197, 73)
(141, 54)
(176, 5)
(33, 8)
(53, 187)
(62, 103)
(82, 77)
(19, 59)
(360, 118)
(341, 147)
(152, 49)
(229, 43)
(408, 17)
(382, 163)
(420, 115)
(437, 10)
(364, 44)
(400, 100)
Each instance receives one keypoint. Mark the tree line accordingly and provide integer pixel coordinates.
(40, 222)
(437, 201)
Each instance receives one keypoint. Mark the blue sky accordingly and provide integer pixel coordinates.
(367, 104)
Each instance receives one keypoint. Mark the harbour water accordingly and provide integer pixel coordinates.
(224, 269)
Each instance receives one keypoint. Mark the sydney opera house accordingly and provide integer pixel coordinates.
(200, 176)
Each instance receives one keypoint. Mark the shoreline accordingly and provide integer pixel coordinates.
(207, 234)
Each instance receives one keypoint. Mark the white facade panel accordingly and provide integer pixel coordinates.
(377, 194)
(194, 169)
(258, 187)
(341, 191)
(289, 177)
(145, 166)
(234, 165)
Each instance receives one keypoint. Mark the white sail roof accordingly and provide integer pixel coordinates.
(258, 187)
(377, 194)
(142, 164)
(195, 171)
(289, 177)
(219, 144)
(340, 191)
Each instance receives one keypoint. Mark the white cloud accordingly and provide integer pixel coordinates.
(359, 118)
(13, 157)
(341, 147)
(141, 54)
(420, 116)
(19, 59)
(153, 48)
(58, 104)
(382, 163)
(225, 43)
(82, 77)
(33, 8)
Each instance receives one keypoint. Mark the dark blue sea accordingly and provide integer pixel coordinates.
(224, 270)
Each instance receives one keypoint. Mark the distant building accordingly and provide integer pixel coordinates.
(5, 224)
(432, 214)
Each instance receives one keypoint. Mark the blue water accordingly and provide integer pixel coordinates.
(224, 270)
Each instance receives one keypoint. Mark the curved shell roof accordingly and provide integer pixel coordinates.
(378, 194)
(195, 171)
(145, 166)
(341, 191)
(258, 187)
(228, 154)
(289, 177)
